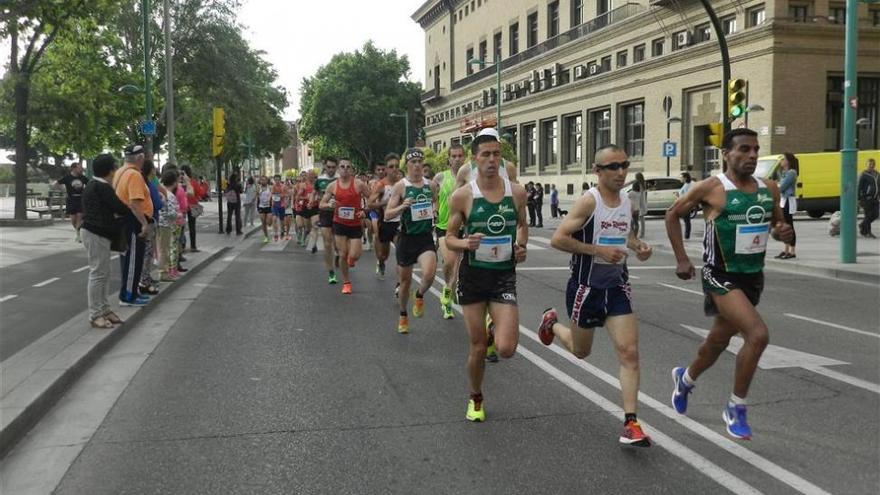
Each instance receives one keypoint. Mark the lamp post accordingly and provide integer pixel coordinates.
(754, 107)
(148, 94)
(405, 116)
(497, 64)
(669, 122)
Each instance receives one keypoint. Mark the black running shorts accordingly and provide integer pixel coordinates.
(410, 247)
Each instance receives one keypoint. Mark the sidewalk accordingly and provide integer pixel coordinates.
(33, 379)
(817, 252)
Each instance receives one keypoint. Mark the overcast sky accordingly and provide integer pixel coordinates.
(300, 36)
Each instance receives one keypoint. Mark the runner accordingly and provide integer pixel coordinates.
(345, 196)
(740, 212)
(74, 183)
(325, 216)
(279, 206)
(465, 173)
(385, 229)
(413, 199)
(264, 206)
(303, 194)
(288, 208)
(597, 232)
(446, 185)
(312, 212)
(492, 211)
(374, 213)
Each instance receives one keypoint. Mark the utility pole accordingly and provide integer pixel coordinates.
(148, 91)
(849, 153)
(169, 88)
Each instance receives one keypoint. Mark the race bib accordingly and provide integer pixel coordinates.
(276, 197)
(421, 211)
(495, 249)
(345, 212)
(752, 238)
(610, 241)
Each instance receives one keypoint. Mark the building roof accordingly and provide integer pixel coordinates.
(431, 10)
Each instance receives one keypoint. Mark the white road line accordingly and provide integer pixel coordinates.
(681, 289)
(535, 247)
(81, 269)
(47, 282)
(836, 375)
(542, 240)
(115, 256)
(761, 463)
(833, 325)
(228, 259)
(541, 268)
(7, 298)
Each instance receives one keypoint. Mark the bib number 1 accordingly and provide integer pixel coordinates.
(495, 249)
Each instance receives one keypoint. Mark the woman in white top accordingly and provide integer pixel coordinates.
(249, 201)
(638, 196)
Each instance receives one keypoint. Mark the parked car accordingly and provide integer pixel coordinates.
(662, 192)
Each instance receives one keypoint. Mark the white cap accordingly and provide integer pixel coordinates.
(489, 131)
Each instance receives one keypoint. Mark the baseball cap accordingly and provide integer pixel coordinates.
(134, 149)
(413, 153)
(489, 131)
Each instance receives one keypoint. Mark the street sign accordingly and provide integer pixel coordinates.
(670, 149)
(667, 104)
(148, 127)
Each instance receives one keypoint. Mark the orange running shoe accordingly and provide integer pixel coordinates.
(403, 325)
(633, 435)
(419, 307)
(346, 287)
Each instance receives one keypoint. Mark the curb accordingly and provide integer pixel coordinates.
(33, 222)
(16, 429)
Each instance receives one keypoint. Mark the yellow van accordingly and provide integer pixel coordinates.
(818, 186)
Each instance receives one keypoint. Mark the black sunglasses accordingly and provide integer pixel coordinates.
(615, 166)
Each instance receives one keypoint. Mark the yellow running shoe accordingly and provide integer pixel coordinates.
(474, 414)
(402, 325)
(419, 307)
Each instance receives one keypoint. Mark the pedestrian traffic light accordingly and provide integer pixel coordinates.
(217, 145)
(736, 97)
(219, 131)
(716, 134)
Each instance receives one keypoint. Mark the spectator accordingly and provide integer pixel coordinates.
(233, 204)
(132, 190)
(530, 202)
(585, 187)
(539, 204)
(170, 221)
(180, 234)
(788, 201)
(74, 183)
(249, 202)
(101, 206)
(554, 201)
(194, 192)
(638, 196)
(869, 197)
(149, 284)
(687, 182)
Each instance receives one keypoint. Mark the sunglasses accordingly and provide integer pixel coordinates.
(614, 166)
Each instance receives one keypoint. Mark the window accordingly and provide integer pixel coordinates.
(514, 39)
(510, 133)
(869, 108)
(549, 142)
(680, 40)
(798, 12)
(600, 130)
(573, 144)
(496, 46)
(702, 33)
(602, 7)
(634, 130)
(577, 12)
(755, 16)
(468, 55)
(621, 59)
(729, 24)
(875, 17)
(553, 19)
(605, 66)
(484, 55)
(657, 47)
(466, 10)
(638, 53)
(532, 35)
(529, 149)
(437, 146)
(837, 13)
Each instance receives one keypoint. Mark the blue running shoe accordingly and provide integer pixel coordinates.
(140, 301)
(681, 391)
(735, 421)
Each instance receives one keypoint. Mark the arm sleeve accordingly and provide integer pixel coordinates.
(787, 180)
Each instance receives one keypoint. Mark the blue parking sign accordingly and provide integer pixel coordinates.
(670, 149)
(148, 127)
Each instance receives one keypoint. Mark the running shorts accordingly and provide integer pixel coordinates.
(347, 231)
(479, 285)
(374, 215)
(588, 307)
(74, 206)
(387, 231)
(410, 247)
(721, 283)
(278, 211)
(325, 218)
(264, 210)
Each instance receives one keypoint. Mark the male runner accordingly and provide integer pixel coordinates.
(740, 212)
(264, 206)
(465, 174)
(325, 216)
(385, 229)
(492, 212)
(345, 196)
(375, 215)
(74, 183)
(279, 205)
(413, 199)
(597, 232)
(303, 193)
(446, 185)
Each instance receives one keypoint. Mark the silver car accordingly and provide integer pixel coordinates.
(662, 192)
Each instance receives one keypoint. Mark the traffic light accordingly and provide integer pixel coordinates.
(716, 134)
(219, 131)
(736, 97)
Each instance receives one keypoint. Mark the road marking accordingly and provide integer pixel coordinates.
(542, 240)
(763, 464)
(115, 256)
(535, 247)
(833, 325)
(7, 298)
(81, 269)
(46, 282)
(228, 259)
(775, 356)
(541, 268)
(681, 289)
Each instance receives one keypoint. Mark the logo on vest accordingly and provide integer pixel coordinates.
(755, 214)
(496, 224)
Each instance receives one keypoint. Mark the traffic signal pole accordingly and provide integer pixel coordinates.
(849, 153)
(725, 63)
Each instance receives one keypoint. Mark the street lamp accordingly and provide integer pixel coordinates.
(669, 122)
(405, 116)
(497, 64)
(754, 107)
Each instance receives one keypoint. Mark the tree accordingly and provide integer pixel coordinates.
(347, 104)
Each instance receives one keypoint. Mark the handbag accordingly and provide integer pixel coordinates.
(119, 241)
(196, 210)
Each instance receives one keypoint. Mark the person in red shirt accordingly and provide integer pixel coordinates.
(346, 197)
(194, 192)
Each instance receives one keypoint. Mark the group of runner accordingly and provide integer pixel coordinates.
(475, 214)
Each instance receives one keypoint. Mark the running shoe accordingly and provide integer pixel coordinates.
(346, 287)
(397, 290)
(447, 311)
(633, 435)
(735, 421)
(545, 331)
(403, 325)
(380, 270)
(419, 307)
(265, 239)
(315, 248)
(446, 303)
(491, 353)
(140, 301)
(475, 413)
(276, 237)
(332, 278)
(680, 391)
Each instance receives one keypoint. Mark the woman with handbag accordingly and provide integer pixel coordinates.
(788, 202)
(101, 234)
(194, 209)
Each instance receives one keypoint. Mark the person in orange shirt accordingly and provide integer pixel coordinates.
(132, 190)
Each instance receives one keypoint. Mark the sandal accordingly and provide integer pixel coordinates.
(113, 318)
(100, 322)
(781, 256)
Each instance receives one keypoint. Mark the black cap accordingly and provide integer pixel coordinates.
(134, 149)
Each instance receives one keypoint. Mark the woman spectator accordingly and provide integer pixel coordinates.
(233, 204)
(685, 187)
(101, 206)
(193, 194)
(249, 202)
(787, 200)
(150, 285)
(170, 221)
(183, 199)
(638, 196)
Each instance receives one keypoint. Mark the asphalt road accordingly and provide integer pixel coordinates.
(271, 381)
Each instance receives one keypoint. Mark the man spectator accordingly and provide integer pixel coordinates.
(869, 197)
(132, 190)
(554, 201)
(74, 182)
(539, 204)
(530, 202)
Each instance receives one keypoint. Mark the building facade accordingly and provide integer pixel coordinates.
(579, 74)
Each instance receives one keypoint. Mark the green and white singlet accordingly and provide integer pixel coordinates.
(322, 182)
(418, 218)
(736, 241)
(497, 223)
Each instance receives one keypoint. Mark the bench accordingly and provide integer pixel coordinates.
(46, 205)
